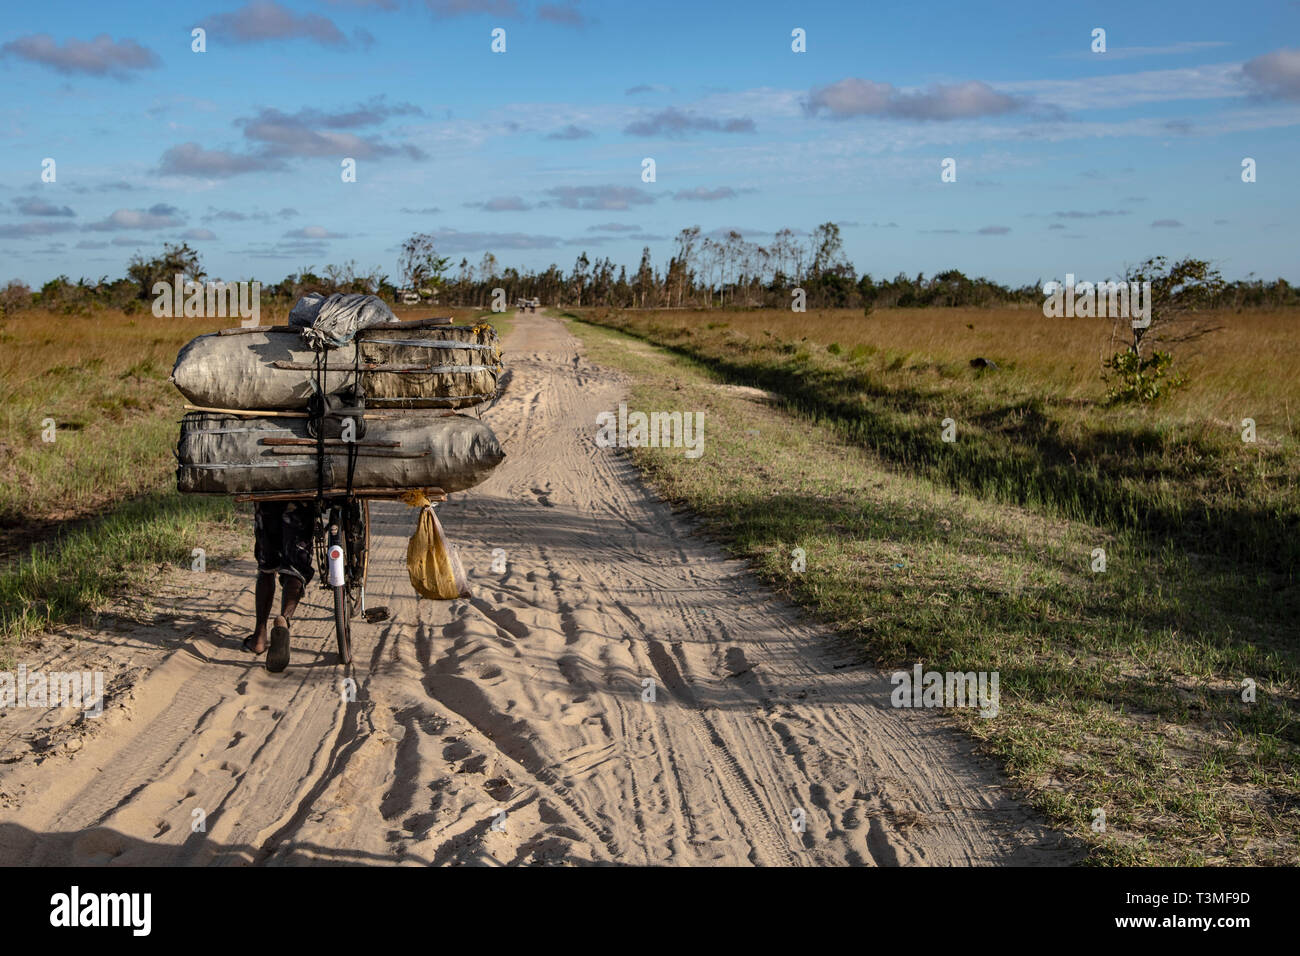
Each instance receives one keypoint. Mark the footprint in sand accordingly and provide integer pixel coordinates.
(98, 846)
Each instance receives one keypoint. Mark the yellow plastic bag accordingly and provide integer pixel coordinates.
(431, 560)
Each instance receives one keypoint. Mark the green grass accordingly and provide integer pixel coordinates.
(503, 322)
(76, 574)
(1121, 690)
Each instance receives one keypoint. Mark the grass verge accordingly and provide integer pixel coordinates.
(76, 574)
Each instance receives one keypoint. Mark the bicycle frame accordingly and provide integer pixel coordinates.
(342, 545)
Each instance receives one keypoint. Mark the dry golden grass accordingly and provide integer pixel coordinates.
(1037, 430)
(1251, 368)
(103, 380)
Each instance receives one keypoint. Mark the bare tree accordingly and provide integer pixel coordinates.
(686, 240)
(579, 278)
(645, 277)
(712, 256)
(762, 266)
(733, 252)
(827, 248)
(797, 254)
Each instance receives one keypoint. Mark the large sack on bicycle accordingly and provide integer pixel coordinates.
(220, 453)
(332, 322)
(432, 562)
(445, 366)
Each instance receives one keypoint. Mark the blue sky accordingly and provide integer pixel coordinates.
(1067, 160)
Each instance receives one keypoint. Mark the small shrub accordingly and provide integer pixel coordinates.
(15, 296)
(1135, 379)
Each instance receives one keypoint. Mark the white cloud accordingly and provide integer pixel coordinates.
(1275, 74)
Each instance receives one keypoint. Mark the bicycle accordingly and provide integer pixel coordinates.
(341, 541)
(341, 527)
(342, 555)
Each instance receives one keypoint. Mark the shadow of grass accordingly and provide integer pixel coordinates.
(1113, 639)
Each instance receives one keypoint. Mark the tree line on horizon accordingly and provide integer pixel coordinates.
(703, 272)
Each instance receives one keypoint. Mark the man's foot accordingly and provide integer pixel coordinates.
(277, 657)
(255, 644)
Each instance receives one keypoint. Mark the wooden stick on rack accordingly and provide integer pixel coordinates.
(361, 453)
(303, 494)
(261, 413)
(246, 412)
(364, 443)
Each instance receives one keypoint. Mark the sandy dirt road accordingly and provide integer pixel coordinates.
(510, 728)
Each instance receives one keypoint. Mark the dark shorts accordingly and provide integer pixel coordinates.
(283, 532)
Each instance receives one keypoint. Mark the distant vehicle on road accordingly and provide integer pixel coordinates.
(416, 296)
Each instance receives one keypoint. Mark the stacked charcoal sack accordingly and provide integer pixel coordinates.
(256, 386)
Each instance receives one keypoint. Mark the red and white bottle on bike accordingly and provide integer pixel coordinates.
(336, 565)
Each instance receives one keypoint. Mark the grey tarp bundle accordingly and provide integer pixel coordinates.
(449, 366)
(226, 454)
(329, 323)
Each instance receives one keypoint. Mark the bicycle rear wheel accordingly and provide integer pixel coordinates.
(357, 535)
(337, 552)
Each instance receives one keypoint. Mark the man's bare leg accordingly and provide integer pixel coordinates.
(291, 591)
(264, 601)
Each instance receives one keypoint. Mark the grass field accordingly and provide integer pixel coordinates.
(78, 513)
(1121, 691)
(1036, 431)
